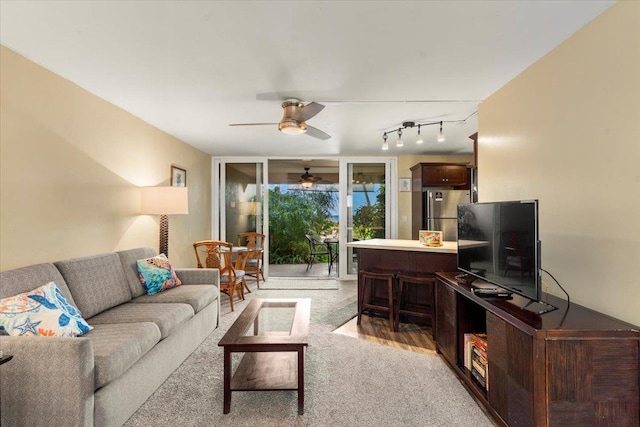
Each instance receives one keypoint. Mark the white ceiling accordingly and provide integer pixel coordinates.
(192, 67)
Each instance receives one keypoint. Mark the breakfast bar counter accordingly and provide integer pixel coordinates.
(411, 258)
(404, 245)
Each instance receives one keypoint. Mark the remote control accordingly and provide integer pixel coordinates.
(491, 292)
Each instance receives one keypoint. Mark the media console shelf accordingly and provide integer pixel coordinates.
(572, 366)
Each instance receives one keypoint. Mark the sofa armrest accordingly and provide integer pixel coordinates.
(49, 381)
(198, 276)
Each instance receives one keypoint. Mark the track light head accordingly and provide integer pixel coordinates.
(385, 145)
(441, 137)
(419, 139)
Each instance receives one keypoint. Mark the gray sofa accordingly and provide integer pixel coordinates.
(138, 340)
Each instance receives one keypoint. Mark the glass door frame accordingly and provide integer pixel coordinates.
(218, 200)
(391, 203)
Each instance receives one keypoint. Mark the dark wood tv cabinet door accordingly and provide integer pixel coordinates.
(593, 382)
(445, 330)
(510, 372)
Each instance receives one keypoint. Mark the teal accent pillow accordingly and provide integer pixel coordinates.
(156, 274)
(44, 312)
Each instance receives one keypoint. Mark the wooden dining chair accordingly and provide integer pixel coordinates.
(217, 254)
(254, 242)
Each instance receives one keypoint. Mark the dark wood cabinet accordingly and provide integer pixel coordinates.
(445, 325)
(572, 366)
(440, 174)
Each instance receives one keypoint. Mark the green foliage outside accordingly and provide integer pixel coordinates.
(293, 214)
(369, 220)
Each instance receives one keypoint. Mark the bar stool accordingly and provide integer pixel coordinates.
(366, 285)
(404, 307)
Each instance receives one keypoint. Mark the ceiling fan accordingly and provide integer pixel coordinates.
(307, 180)
(294, 120)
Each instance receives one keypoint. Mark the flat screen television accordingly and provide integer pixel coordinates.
(498, 242)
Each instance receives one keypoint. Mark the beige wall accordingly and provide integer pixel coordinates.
(567, 132)
(71, 167)
(404, 198)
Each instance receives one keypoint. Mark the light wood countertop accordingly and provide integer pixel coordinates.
(404, 245)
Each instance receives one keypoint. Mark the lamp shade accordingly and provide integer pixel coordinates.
(164, 200)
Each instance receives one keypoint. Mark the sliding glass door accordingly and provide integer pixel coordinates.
(364, 188)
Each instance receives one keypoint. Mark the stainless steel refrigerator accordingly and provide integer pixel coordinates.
(441, 211)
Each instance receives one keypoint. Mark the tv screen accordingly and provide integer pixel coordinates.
(499, 243)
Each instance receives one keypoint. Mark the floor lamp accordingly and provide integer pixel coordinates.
(164, 201)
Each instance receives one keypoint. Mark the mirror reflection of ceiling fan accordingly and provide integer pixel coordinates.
(294, 119)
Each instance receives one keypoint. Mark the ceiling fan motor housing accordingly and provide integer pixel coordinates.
(288, 124)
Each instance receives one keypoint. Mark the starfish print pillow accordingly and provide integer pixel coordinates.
(44, 312)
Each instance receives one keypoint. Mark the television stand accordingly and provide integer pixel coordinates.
(538, 371)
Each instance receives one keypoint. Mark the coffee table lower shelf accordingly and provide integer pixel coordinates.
(266, 371)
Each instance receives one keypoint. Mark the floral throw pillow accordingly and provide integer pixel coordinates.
(44, 312)
(156, 274)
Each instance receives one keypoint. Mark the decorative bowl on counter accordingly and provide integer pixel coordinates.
(430, 237)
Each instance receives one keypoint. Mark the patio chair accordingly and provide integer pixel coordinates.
(317, 248)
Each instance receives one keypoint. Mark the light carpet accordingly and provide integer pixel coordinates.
(297, 283)
(348, 382)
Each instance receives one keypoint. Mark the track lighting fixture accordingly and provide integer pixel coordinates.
(406, 125)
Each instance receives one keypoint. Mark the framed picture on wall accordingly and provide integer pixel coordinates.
(405, 184)
(178, 177)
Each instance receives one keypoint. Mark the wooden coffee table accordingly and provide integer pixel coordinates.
(270, 356)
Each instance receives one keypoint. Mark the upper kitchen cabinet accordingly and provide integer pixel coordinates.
(440, 175)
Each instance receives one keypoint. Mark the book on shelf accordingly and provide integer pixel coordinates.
(482, 381)
(475, 357)
(477, 367)
(480, 340)
(471, 342)
(468, 349)
(480, 353)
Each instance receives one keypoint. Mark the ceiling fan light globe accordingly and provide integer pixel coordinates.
(306, 184)
(292, 127)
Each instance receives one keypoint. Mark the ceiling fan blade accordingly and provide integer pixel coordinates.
(317, 133)
(305, 113)
(252, 124)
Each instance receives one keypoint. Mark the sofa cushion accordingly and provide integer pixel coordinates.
(129, 259)
(43, 311)
(25, 279)
(156, 274)
(197, 296)
(97, 282)
(167, 316)
(116, 347)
